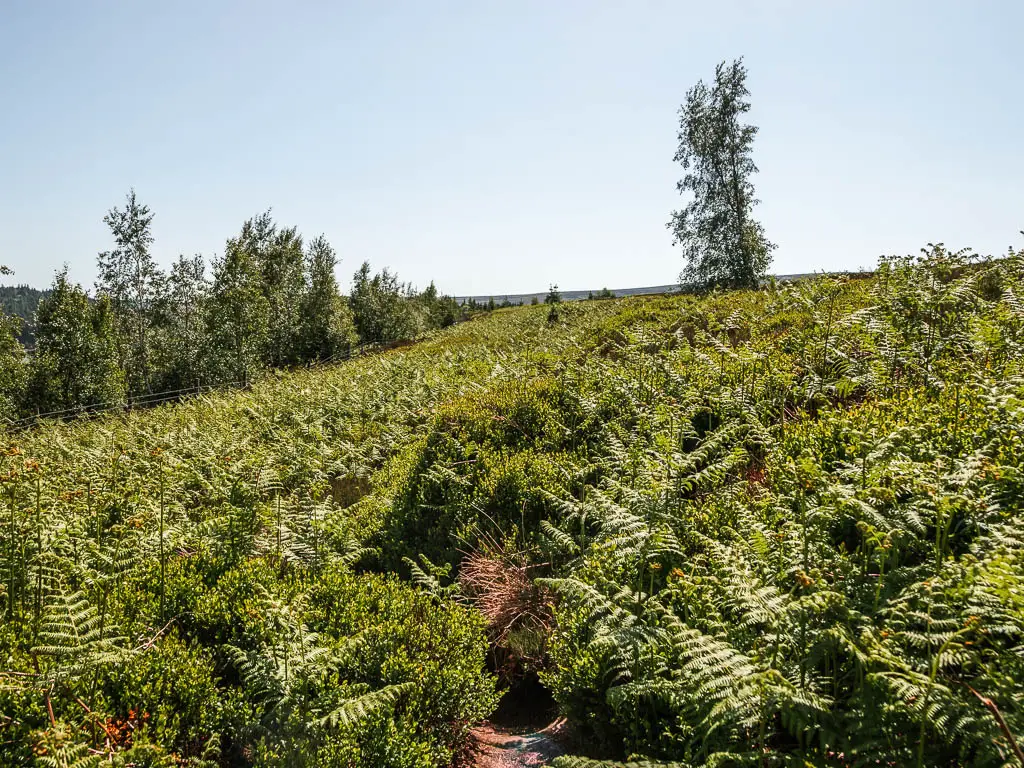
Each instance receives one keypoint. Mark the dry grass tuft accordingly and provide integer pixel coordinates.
(518, 612)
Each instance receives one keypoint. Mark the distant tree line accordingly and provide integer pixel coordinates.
(21, 301)
(272, 301)
(473, 305)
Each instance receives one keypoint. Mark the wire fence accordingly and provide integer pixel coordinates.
(150, 399)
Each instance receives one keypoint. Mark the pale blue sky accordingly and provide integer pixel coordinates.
(501, 146)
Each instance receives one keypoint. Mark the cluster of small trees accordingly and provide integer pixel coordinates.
(490, 305)
(272, 301)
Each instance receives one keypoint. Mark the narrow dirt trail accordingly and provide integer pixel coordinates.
(525, 730)
(502, 747)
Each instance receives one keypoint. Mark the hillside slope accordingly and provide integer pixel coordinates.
(752, 528)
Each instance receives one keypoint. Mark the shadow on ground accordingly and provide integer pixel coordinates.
(524, 731)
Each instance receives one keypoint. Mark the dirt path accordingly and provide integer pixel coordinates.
(501, 747)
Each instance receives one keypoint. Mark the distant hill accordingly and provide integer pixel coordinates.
(527, 298)
(21, 301)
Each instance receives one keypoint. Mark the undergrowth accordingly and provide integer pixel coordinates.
(775, 527)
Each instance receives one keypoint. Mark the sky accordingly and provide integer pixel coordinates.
(500, 147)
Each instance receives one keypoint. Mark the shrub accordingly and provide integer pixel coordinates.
(169, 695)
(405, 637)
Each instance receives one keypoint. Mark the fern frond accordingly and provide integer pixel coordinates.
(354, 710)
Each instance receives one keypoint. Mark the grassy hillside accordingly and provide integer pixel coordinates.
(767, 528)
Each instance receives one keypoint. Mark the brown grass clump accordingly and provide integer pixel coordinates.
(518, 611)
